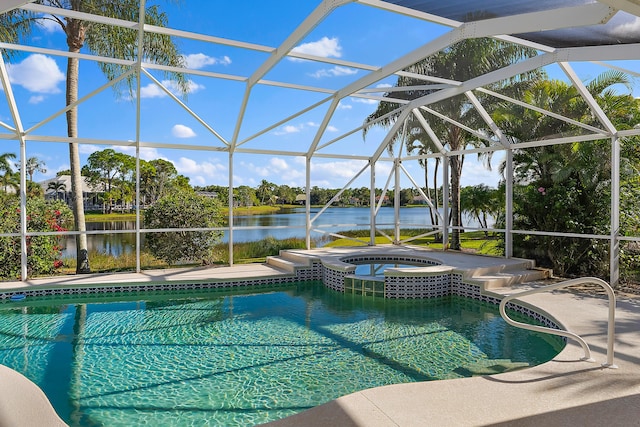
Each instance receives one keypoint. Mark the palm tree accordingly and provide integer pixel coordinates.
(264, 191)
(57, 187)
(564, 187)
(34, 165)
(480, 202)
(10, 179)
(4, 161)
(461, 62)
(545, 163)
(423, 150)
(105, 41)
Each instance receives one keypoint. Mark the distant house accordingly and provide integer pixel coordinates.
(419, 200)
(355, 201)
(90, 194)
(301, 199)
(209, 194)
(385, 200)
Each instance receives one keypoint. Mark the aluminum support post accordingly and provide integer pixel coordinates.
(231, 202)
(508, 188)
(445, 203)
(372, 204)
(614, 243)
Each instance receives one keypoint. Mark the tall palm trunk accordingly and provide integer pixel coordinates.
(456, 216)
(426, 186)
(435, 199)
(75, 40)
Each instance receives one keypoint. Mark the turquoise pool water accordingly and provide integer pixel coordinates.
(214, 359)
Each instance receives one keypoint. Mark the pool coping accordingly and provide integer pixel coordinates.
(549, 393)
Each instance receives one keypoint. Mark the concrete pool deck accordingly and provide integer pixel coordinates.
(563, 392)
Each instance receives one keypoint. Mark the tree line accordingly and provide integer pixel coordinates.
(112, 176)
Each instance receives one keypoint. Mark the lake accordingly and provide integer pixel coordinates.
(285, 224)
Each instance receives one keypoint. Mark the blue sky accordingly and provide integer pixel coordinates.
(354, 33)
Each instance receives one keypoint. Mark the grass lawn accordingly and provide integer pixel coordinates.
(103, 217)
(473, 242)
(252, 210)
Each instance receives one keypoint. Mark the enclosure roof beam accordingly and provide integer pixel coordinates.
(432, 135)
(487, 118)
(629, 6)
(539, 110)
(586, 95)
(8, 5)
(310, 22)
(617, 52)
(590, 14)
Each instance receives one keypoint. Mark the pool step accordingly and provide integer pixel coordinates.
(508, 278)
(288, 261)
(513, 264)
(490, 367)
(299, 259)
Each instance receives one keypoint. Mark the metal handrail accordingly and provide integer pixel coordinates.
(564, 333)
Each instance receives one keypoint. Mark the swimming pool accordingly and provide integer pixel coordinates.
(214, 358)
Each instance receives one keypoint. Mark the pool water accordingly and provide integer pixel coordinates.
(217, 359)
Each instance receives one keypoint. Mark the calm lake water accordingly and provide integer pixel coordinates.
(285, 224)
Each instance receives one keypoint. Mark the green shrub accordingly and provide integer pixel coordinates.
(183, 210)
(43, 252)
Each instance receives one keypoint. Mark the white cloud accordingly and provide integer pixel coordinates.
(278, 163)
(50, 26)
(152, 90)
(146, 153)
(36, 99)
(343, 106)
(182, 131)
(36, 73)
(201, 173)
(365, 101)
(337, 170)
(475, 172)
(288, 129)
(276, 170)
(200, 60)
(325, 47)
(324, 174)
(332, 129)
(625, 27)
(336, 71)
(88, 148)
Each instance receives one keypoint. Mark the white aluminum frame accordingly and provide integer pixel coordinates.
(501, 28)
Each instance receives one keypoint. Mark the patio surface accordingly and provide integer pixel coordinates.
(563, 392)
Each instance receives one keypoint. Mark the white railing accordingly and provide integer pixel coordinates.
(564, 333)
